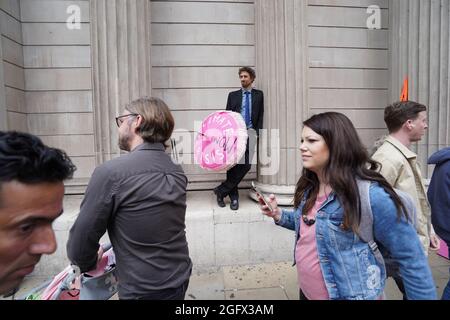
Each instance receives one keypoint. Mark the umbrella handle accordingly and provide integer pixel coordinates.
(106, 246)
(65, 284)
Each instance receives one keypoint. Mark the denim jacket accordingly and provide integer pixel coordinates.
(349, 268)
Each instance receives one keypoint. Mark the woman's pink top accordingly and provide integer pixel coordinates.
(310, 278)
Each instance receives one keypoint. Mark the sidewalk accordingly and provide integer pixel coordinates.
(278, 281)
(214, 277)
(268, 281)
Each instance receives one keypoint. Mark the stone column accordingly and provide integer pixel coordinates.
(281, 52)
(3, 114)
(121, 64)
(420, 50)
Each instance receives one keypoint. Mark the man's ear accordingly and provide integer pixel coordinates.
(139, 120)
(409, 124)
(138, 123)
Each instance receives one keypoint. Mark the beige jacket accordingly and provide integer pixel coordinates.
(401, 170)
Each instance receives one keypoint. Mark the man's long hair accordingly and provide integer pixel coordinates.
(157, 120)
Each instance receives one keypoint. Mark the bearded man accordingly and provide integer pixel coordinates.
(140, 199)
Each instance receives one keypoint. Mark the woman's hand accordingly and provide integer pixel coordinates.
(275, 214)
(435, 242)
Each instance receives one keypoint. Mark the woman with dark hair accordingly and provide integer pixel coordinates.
(332, 261)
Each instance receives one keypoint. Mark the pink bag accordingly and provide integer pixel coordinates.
(443, 250)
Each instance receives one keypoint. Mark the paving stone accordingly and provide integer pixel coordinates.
(259, 276)
(206, 285)
(27, 286)
(292, 290)
(391, 290)
(275, 293)
(436, 260)
(440, 286)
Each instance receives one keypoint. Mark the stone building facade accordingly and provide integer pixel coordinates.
(68, 67)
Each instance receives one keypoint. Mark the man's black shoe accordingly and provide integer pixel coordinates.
(220, 201)
(234, 204)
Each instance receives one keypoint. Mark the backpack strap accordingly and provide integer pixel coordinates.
(410, 207)
(365, 232)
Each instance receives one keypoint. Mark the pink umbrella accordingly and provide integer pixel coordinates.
(221, 142)
(69, 284)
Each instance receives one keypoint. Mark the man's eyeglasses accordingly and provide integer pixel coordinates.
(121, 119)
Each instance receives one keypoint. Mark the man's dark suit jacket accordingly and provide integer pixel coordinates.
(234, 103)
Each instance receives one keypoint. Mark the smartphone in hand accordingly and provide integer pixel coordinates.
(260, 194)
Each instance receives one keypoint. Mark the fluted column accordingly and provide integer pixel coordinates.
(121, 64)
(3, 123)
(420, 50)
(281, 60)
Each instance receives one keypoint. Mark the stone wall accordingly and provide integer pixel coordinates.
(58, 79)
(197, 49)
(348, 65)
(13, 114)
(316, 56)
(45, 77)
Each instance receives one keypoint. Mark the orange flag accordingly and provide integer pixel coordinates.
(405, 96)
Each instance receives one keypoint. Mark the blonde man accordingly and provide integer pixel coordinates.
(140, 199)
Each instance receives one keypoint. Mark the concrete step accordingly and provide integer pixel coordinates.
(216, 236)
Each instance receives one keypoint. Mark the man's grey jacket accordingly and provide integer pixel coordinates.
(140, 199)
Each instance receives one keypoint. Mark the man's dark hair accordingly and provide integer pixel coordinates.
(398, 113)
(249, 70)
(23, 157)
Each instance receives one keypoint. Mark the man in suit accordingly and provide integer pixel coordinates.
(249, 102)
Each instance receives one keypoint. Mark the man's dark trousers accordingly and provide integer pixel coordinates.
(235, 176)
